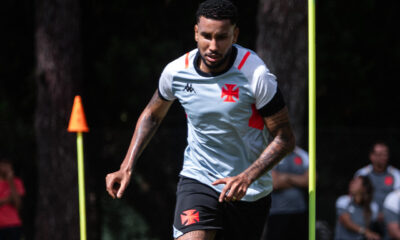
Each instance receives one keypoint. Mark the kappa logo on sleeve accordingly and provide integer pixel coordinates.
(229, 92)
(189, 217)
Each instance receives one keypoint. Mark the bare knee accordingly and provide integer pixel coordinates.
(198, 235)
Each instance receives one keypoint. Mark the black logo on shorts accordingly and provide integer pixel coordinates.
(189, 88)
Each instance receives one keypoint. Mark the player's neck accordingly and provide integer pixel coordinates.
(357, 198)
(379, 169)
(206, 71)
(213, 70)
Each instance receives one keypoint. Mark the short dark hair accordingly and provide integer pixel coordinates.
(218, 10)
(378, 142)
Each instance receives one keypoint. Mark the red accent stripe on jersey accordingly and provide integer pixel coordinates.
(187, 60)
(244, 60)
(256, 121)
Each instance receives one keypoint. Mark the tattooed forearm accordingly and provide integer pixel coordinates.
(283, 143)
(147, 125)
(145, 129)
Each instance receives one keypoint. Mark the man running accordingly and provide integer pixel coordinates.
(233, 107)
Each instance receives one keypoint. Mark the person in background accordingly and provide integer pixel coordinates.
(289, 206)
(384, 177)
(356, 212)
(11, 191)
(391, 212)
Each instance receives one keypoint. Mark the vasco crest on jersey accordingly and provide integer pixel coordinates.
(230, 93)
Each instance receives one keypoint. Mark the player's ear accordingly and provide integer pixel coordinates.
(196, 32)
(235, 34)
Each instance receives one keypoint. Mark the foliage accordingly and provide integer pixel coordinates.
(122, 221)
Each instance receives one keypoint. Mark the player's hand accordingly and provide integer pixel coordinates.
(117, 182)
(369, 235)
(235, 187)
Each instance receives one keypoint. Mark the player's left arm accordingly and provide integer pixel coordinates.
(283, 142)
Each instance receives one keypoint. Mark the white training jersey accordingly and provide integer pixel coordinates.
(383, 183)
(290, 200)
(391, 207)
(225, 131)
(346, 204)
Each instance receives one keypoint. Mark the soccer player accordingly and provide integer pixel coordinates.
(384, 177)
(391, 211)
(356, 212)
(11, 192)
(289, 205)
(238, 129)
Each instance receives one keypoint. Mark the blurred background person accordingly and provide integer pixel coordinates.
(288, 217)
(391, 211)
(384, 177)
(11, 191)
(356, 212)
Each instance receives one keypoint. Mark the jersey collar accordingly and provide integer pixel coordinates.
(204, 74)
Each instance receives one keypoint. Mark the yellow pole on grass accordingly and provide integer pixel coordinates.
(77, 123)
(311, 118)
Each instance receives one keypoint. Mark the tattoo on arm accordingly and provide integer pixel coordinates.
(283, 143)
(147, 125)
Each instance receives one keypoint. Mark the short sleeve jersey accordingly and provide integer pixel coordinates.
(391, 207)
(8, 213)
(383, 183)
(290, 200)
(345, 204)
(226, 133)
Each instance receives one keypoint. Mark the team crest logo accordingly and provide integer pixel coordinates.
(298, 161)
(189, 217)
(389, 181)
(229, 91)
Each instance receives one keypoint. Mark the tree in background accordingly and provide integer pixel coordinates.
(58, 75)
(282, 44)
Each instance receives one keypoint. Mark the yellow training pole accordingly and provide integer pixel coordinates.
(77, 123)
(311, 118)
(81, 183)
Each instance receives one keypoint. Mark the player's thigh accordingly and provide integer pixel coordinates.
(278, 227)
(245, 220)
(198, 235)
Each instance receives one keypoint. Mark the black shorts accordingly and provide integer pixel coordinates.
(197, 208)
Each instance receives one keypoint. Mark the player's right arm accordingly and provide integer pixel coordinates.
(147, 124)
(346, 221)
(394, 230)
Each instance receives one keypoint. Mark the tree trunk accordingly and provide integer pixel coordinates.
(58, 75)
(282, 44)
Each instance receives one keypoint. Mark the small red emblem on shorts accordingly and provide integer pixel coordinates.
(388, 180)
(189, 217)
(229, 92)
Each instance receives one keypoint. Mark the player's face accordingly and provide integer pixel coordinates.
(214, 40)
(355, 186)
(380, 156)
(5, 168)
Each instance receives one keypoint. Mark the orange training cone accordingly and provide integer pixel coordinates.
(77, 122)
